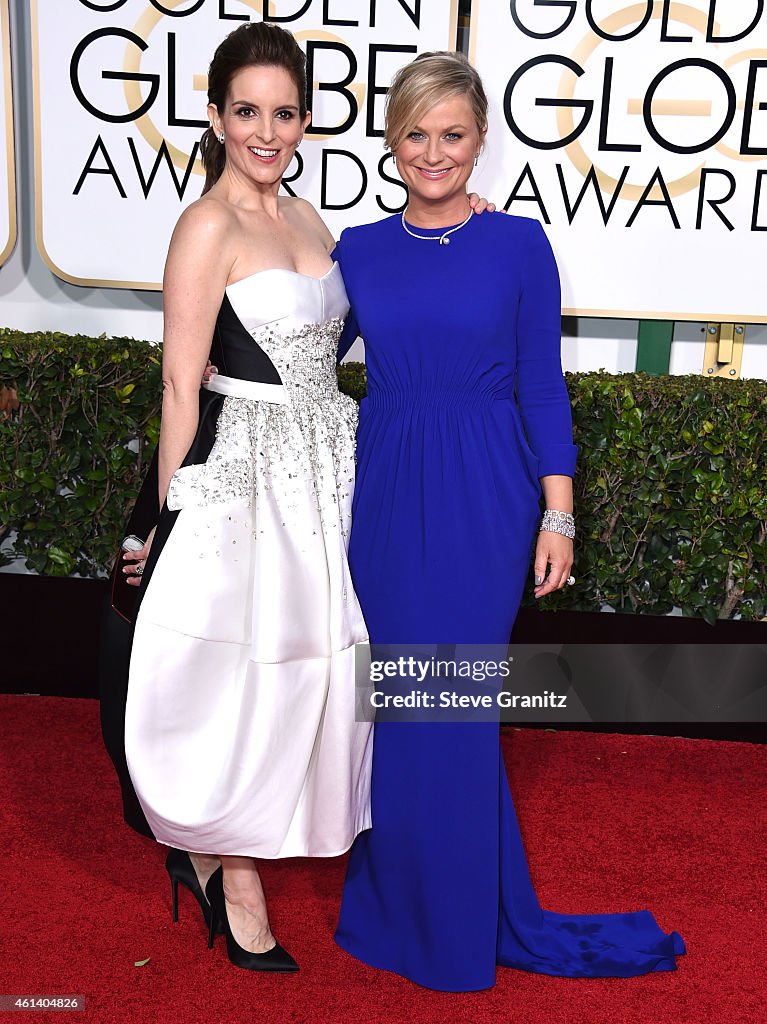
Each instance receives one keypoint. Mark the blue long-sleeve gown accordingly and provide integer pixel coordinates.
(466, 408)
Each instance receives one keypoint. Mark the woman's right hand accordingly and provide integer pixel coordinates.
(136, 561)
(210, 371)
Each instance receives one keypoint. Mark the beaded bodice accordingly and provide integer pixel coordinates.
(296, 321)
(305, 358)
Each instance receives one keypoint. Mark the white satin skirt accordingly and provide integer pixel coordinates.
(241, 736)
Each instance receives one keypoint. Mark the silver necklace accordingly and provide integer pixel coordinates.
(442, 239)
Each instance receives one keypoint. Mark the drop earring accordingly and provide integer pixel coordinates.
(476, 159)
(221, 137)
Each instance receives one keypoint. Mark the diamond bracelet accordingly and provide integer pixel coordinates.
(558, 522)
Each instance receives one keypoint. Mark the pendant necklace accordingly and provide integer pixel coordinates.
(442, 239)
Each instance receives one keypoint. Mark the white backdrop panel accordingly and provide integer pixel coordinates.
(119, 85)
(665, 105)
(7, 166)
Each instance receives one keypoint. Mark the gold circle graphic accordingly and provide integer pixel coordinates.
(695, 19)
(738, 58)
(144, 27)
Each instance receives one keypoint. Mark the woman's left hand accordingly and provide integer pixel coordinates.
(553, 552)
(479, 204)
(136, 560)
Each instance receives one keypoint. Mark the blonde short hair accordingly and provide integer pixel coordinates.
(426, 81)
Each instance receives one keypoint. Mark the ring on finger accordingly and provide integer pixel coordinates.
(139, 568)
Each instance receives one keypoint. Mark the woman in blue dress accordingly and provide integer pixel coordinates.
(466, 420)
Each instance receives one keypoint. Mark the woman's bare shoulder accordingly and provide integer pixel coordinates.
(207, 217)
(203, 245)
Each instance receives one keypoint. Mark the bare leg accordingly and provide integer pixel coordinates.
(246, 905)
(204, 865)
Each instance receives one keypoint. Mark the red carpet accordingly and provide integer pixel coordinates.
(611, 823)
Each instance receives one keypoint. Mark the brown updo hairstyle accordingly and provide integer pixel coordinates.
(426, 81)
(257, 44)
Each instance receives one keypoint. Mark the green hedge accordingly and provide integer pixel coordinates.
(73, 455)
(671, 492)
(670, 495)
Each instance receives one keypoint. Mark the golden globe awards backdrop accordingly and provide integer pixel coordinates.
(7, 166)
(637, 133)
(119, 106)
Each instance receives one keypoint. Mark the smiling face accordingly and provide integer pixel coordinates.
(261, 123)
(436, 157)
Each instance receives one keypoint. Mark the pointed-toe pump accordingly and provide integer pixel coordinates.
(274, 959)
(179, 866)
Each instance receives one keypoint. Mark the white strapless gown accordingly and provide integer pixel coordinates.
(240, 723)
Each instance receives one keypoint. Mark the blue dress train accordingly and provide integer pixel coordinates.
(466, 408)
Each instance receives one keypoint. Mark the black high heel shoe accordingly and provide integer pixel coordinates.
(274, 959)
(179, 866)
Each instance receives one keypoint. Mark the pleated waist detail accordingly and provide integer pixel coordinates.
(403, 399)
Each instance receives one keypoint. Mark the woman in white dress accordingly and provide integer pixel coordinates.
(240, 729)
